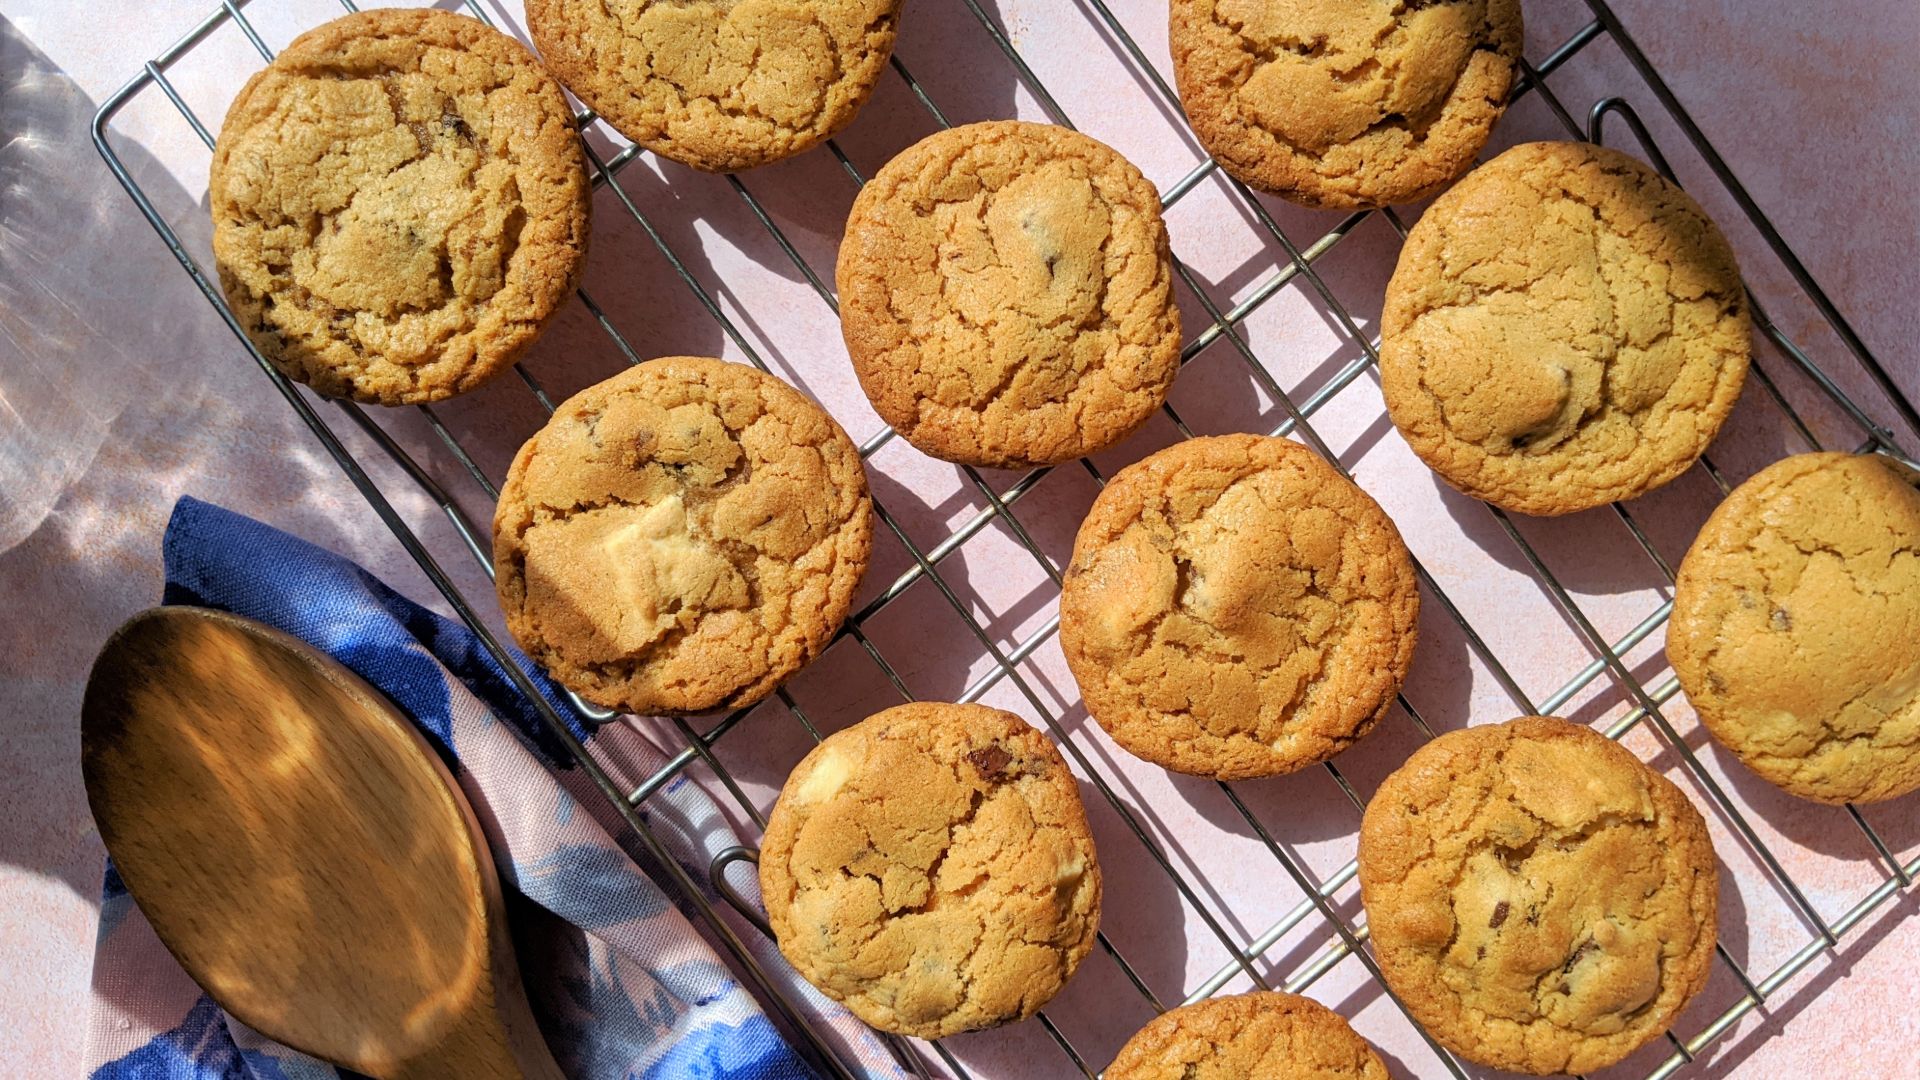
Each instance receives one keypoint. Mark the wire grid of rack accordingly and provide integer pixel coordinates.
(1223, 328)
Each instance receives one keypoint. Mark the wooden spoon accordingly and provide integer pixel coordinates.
(302, 851)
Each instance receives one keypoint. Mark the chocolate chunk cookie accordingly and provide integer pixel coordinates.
(681, 537)
(719, 85)
(399, 205)
(1262, 1036)
(1006, 292)
(1539, 899)
(1796, 627)
(1344, 104)
(1237, 608)
(1565, 329)
(931, 868)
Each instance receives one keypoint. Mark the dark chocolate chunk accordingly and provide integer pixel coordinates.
(991, 761)
(1586, 947)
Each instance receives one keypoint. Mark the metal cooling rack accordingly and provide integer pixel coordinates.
(1223, 327)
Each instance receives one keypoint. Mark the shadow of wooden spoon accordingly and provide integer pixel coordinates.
(302, 850)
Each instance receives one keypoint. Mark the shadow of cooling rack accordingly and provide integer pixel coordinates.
(1223, 327)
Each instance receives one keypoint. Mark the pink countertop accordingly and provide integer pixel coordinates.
(120, 390)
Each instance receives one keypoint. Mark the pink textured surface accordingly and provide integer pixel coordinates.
(131, 392)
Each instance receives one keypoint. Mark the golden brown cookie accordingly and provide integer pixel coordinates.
(719, 85)
(1237, 608)
(931, 868)
(1565, 329)
(1260, 1036)
(1796, 627)
(1344, 104)
(399, 205)
(681, 537)
(1006, 293)
(1539, 899)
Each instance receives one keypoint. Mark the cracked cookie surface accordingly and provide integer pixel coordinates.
(1565, 329)
(931, 868)
(719, 85)
(1796, 627)
(1006, 294)
(1237, 608)
(1258, 1036)
(681, 537)
(1344, 104)
(1539, 899)
(399, 205)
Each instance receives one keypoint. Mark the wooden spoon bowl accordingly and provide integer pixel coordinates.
(302, 850)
